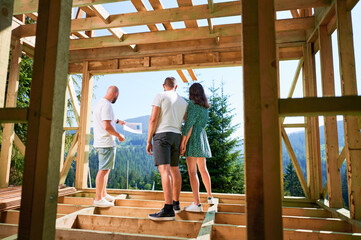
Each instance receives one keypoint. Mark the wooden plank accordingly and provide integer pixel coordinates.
(297, 167)
(291, 222)
(206, 229)
(84, 129)
(68, 221)
(330, 122)
(187, 229)
(349, 87)
(8, 133)
(320, 106)
(294, 125)
(69, 159)
(262, 164)
(6, 13)
(341, 213)
(14, 115)
(222, 231)
(42, 158)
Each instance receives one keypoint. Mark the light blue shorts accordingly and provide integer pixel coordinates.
(106, 158)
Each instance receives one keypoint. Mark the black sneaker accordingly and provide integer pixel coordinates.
(176, 208)
(162, 216)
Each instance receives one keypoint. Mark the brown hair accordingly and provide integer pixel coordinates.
(197, 95)
(170, 82)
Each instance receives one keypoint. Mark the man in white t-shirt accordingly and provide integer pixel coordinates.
(104, 142)
(165, 124)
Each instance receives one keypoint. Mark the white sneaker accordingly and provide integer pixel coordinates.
(211, 200)
(102, 203)
(109, 198)
(194, 208)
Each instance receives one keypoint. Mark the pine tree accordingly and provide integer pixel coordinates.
(292, 186)
(226, 165)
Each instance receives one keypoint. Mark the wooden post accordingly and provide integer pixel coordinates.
(8, 131)
(313, 152)
(45, 121)
(82, 164)
(331, 136)
(6, 14)
(262, 154)
(349, 87)
(64, 132)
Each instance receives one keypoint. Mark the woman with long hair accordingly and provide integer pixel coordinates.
(195, 146)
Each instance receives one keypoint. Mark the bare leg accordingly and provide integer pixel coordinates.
(193, 177)
(104, 192)
(166, 177)
(100, 183)
(202, 166)
(177, 182)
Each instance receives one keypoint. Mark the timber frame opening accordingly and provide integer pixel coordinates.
(56, 55)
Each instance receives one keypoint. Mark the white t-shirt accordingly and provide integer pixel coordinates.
(103, 111)
(172, 110)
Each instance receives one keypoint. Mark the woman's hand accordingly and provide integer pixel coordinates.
(183, 148)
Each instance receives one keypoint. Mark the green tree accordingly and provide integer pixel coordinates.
(292, 186)
(226, 165)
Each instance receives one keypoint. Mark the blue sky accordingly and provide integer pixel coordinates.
(137, 90)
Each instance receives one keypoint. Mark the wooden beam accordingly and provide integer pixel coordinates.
(205, 233)
(185, 229)
(262, 155)
(68, 221)
(69, 159)
(295, 78)
(82, 163)
(6, 13)
(280, 5)
(19, 144)
(8, 133)
(294, 125)
(341, 158)
(291, 153)
(47, 96)
(14, 115)
(191, 73)
(156, 37)
(165, 15)
(188, 3)
(182, 76)
(330, 122)
(74, 98)
(139, 5)
(349, 88)
(313, 152)
(323, 106)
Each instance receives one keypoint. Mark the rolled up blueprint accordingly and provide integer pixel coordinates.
(133, 127)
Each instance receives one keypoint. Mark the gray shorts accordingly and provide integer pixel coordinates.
(106, 158)
(166, 148)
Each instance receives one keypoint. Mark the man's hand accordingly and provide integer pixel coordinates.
(120, 137)
(149, 148)
(120, 122)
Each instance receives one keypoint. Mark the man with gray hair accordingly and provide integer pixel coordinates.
(104, 142)
(165, 124)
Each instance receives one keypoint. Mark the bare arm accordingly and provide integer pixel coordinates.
(153, 122)
(110, 129)
(185, 141)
